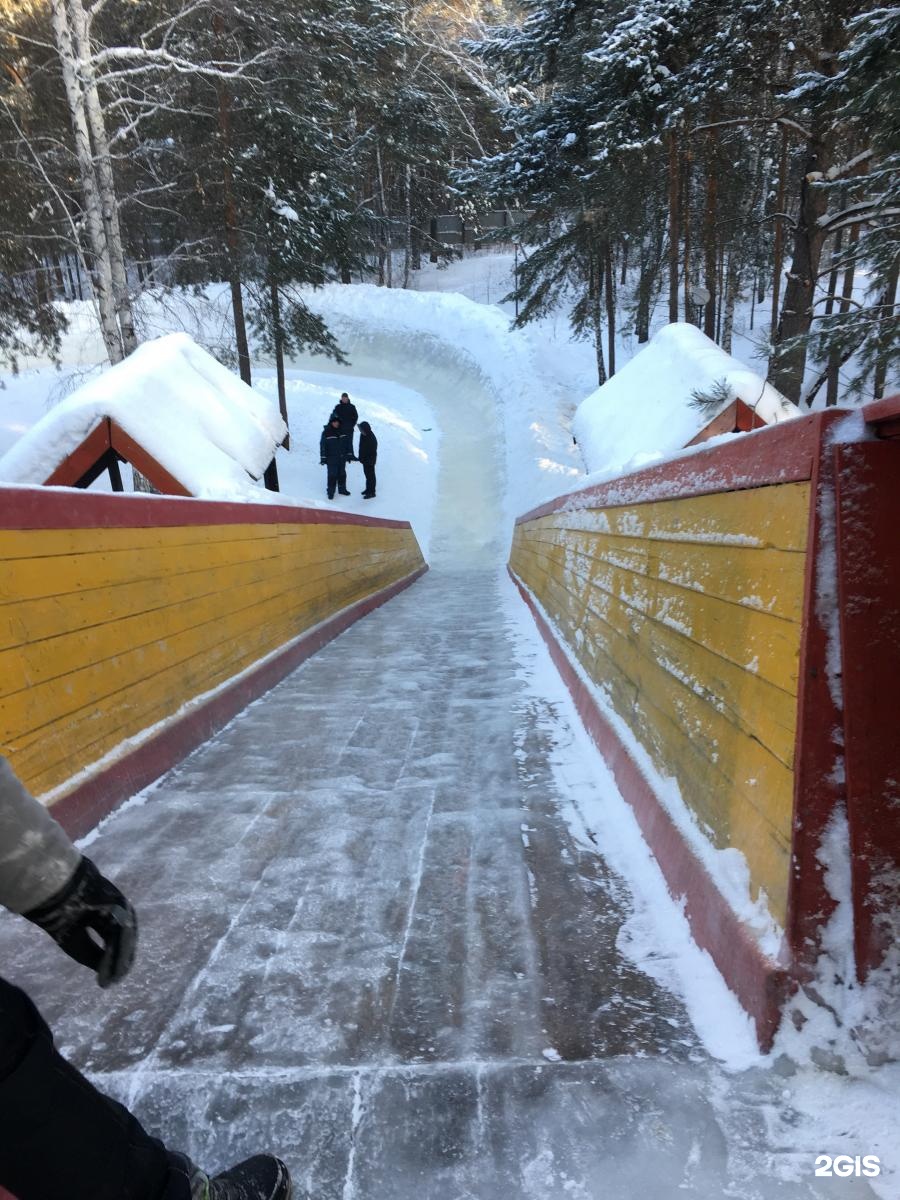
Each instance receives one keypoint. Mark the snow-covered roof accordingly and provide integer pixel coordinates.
(200, 422)
(647, 410)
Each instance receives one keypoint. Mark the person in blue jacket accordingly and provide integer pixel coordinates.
(335, 451)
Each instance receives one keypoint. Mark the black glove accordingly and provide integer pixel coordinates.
(321, 462)
(93, 922)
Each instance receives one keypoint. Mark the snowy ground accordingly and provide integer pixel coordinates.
(422, 949)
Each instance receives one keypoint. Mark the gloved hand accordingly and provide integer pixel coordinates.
(321, 462)
(93, 922)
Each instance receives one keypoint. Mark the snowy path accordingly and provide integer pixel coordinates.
(370, 942)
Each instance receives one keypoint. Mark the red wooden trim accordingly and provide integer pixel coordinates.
(760, 984)
(884, 416)
(868, 502)
(80, 810)
(738, 417)
(82, 458)
(42, 508)
(135, 453)
(817, 754)
(782, 453)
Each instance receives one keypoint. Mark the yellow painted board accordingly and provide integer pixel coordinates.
(768, 644)
(757, 776)
(46, 543)
(43, 703)
(763, 579)
(775, 516)
(40, 660)
(131, 709)
(762, 645)
(46, 616)
(30, 578)
(723, 814)
(759, 825)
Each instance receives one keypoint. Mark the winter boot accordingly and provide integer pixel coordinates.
(262, 1177)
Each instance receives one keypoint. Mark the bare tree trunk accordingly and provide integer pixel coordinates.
(106, 181)
(788, 362)
(385, 265)
(732, 290)
(686, 224)
(710, 254)
(835, 361)
(101, 272)
(623, 278)
(278, 339)
(885, 324)
(778, 248)
(674, 223)
(407, 230)
(610, 290)
(595, 283)
(232, 236)
(833, 276)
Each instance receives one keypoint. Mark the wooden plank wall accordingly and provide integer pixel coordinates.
(106, 631)
(687, 615)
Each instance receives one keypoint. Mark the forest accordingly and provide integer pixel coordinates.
(682, 157)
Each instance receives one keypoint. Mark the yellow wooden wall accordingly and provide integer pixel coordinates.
(687, 614)
(105, 632)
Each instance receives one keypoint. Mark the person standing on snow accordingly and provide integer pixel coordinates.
(62, 1139)
(367, 454)
(345, 411)
(335, 451)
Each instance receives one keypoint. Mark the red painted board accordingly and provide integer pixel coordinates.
(868, 509)
(783, 453)
(761, 985)
(884, 416)
(144, 462)
(81, 809)
(82, 458)
(45, 508)
(818, 785)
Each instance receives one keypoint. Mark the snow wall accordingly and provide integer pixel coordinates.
(133, 627)
(715, 617)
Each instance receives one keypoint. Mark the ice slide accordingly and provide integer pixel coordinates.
(372, 939)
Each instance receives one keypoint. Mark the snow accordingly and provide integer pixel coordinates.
(199, 421)
(646, 412)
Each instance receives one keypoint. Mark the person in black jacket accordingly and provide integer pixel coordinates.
(367, 454)
(335, 450)
(61, 1138)
(345, 411)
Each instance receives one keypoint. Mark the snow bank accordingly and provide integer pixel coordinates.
(646, 411)
(197, 419)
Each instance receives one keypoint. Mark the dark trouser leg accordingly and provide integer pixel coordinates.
(61, 1139)
(342, 477)
(332, 479)
(369, 470)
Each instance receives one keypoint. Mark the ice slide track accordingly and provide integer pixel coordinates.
(370, 942)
